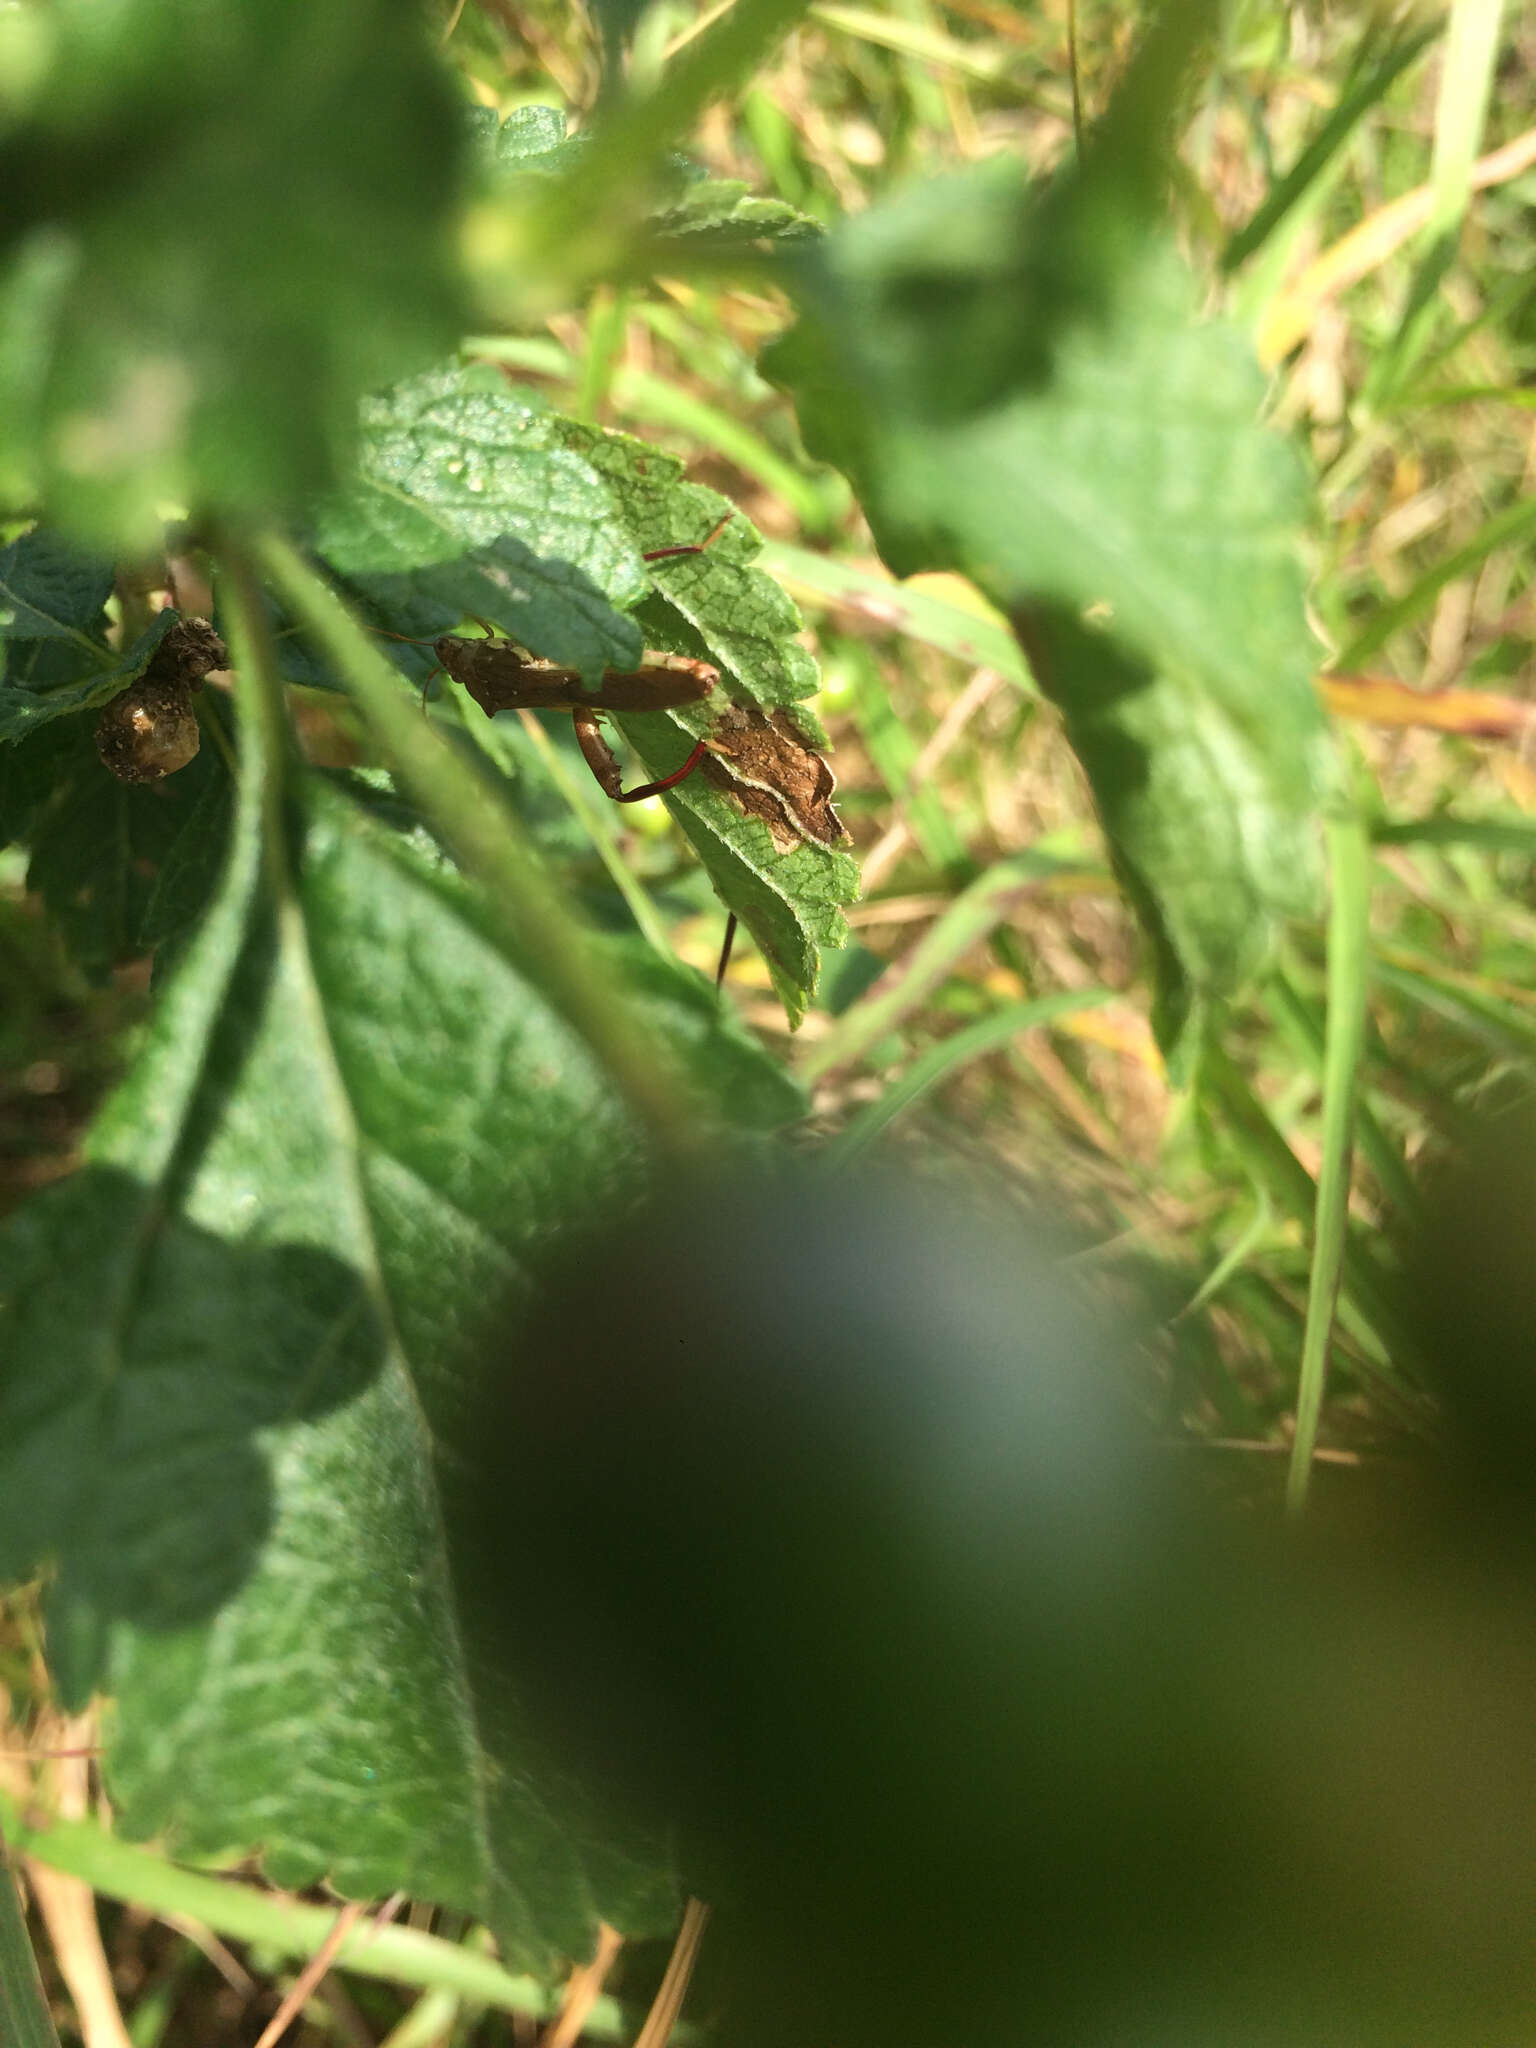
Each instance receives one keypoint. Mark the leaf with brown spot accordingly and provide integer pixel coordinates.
(775, 775)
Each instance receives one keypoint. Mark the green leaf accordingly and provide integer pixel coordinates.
(469, 502)
(239, 1352)
(52, 678)
(123, 867)
(215, 235)
(459, 480)
(789, 893)
(50, 589)
(724, 214)
(530, 139)
(23, 2006)
(714, 603)
(1022, 387)
(548, 606)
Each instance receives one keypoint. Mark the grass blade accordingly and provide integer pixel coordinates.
(24, 2016)
(1325, 145)
(974, 635)
(1500, 531)
(948, 1056)
(1348, 962)
(910, 980)
(242, 1912)
(1466, 82)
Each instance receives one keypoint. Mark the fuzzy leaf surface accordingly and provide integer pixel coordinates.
(240, 1346)
(722, 212)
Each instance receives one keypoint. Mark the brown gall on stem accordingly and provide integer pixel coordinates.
(150, 729)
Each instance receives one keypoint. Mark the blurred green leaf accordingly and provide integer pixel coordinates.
(588, 222)
(1021, 387)
(23, 2007)
(528, 140)
(686, 203)
(216, 231)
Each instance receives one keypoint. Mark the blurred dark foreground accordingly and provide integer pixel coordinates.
(819, 1523)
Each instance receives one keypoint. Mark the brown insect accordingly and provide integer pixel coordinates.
(763, 761)
(500, 679)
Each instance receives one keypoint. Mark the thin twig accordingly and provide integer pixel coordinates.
(668, 2002)
(309, 1977)
(582, 1990)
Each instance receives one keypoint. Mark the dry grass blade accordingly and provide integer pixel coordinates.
(668, 2003)
(889, 848)
(1366, 247)
(582, 1990)
(1382, 700)
(311, 1974)
(68, 1909)
(67, 1904)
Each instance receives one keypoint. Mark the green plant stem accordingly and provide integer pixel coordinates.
(24, 2016)
(428, 2024)
(1348, 960)
(239, 1912)
(486, 840)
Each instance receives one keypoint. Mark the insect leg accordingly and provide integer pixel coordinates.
(600, 759)
(692, 547)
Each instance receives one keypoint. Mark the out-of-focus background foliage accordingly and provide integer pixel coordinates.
(947, 767)
(983, 866)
